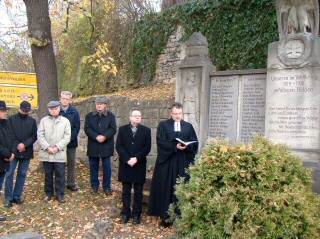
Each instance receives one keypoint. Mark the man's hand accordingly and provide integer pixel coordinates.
(21, 147)
(132, 161)
(9, 159)
(55, 150)
(50, 150)
(101, 138)
(181, 146)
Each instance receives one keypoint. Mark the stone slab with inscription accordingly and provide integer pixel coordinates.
(224, 107)
(252, 106)
(292, 107)
(237, 105)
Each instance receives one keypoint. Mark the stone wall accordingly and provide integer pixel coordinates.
(170, 58)
(153, 111)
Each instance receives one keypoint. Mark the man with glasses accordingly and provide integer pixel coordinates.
(133, 145)
(172, 161)
(24, 129)
(70, 112)
(54, 134)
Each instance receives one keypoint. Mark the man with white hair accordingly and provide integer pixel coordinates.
(70, 112)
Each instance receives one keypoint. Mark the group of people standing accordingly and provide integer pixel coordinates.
(57, 136)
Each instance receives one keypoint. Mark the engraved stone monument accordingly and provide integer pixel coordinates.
(293, 80)
(193, 84)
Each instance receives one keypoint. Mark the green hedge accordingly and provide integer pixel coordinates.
(238, 33)
(253, 190)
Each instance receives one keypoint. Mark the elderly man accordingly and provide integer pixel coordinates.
(100, 127)
(54, 134)
(133, 145)
(172, 161)
(24, 129)
(7, 144)
(70, 112)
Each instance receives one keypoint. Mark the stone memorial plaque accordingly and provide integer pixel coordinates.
(252, 108)
(292, 107)
(224, 107)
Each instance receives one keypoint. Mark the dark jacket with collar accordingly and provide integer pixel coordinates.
(103, 124)
(7, 145)
(73, 116)
(25, 131)
(128, 146)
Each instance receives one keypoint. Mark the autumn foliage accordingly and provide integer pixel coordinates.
(254, 190)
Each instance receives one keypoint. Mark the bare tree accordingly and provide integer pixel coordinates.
(169, 3)
(39, 27)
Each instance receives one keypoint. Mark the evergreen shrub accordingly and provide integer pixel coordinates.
(253, 190)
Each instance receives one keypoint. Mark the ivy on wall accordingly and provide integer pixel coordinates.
(238, 33)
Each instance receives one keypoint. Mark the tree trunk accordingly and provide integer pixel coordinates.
(39, 26)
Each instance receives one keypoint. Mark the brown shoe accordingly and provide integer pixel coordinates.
(108, 193)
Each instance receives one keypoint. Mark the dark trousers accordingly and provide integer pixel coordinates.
(59, 170)
(137, 198)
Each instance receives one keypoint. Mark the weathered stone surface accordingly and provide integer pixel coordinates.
(23, 235)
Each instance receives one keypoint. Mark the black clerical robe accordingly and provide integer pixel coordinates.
(171, 163)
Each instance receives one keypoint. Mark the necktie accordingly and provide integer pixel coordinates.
(134, 130)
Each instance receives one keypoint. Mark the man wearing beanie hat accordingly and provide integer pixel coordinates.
(7, 145)
(24, 129)
(100, 127)
(54, 134)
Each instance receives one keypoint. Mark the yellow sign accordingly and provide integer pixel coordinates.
(16, 87)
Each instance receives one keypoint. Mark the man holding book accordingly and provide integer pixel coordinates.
(173, 159)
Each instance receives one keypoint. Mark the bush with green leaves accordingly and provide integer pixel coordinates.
(253, 190)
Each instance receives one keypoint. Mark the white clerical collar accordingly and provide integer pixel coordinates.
(177, 127)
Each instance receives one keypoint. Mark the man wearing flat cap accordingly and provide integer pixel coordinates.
(7, 145)
(24, 129)
(54, 134)
(100, 127)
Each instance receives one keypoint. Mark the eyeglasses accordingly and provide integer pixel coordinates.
(177, 114)
(136, 116)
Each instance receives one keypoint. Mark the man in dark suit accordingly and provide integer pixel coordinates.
(133, 145)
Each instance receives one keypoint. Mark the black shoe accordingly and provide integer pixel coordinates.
(8, 203)
(125, 219)
(136, 220)
(17, 201)
(2, 219)
(47, 198)
(94, 191)
(108, 192)
(72, 188)
(61, 199)
(164, 224)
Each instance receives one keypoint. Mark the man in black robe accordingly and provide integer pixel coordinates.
(172, 161)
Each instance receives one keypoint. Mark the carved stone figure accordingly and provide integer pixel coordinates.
(298, 16)
(190, 99)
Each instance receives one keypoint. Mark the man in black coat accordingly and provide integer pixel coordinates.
(100, 127)
(7, 145)
(133, 145)
(172, 161)
(24, 129)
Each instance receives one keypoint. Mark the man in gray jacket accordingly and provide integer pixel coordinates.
(54, 134)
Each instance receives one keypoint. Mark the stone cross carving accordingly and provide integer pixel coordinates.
(298, 16)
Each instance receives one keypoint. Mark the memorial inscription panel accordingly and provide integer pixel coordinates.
(252, 113)
(224, 107)
(292, 107)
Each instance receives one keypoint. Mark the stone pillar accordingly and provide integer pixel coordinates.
(293, 88)
(193, 85)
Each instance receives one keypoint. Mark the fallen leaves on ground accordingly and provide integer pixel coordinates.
(73, 218)
(163, 91)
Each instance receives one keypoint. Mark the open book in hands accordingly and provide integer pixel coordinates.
(185, 143)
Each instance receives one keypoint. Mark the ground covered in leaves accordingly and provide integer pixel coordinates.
(73, 219)
(163, 91)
